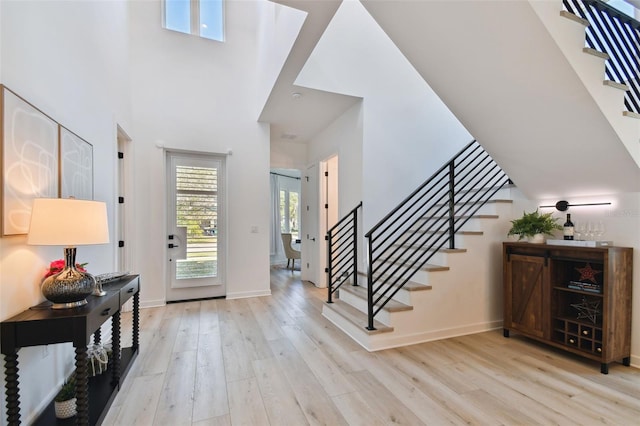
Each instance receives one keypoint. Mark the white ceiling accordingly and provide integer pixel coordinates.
(298, 119)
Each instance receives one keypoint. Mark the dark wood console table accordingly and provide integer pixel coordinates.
(40, 325)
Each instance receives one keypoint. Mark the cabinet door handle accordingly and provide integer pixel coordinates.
(572, 341)
(585, 332)
(105, 312)
(130, 290)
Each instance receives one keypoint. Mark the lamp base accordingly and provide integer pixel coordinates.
(68, 288)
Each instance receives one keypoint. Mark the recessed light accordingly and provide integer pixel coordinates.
(296, 95)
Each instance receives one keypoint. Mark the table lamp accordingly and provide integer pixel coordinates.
(68, 222)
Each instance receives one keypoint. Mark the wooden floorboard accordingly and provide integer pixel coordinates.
(276, 360)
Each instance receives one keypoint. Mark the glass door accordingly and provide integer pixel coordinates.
(195, 234)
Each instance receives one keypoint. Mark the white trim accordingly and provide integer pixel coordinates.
(247, 294)
(389, 340)
(158, 303)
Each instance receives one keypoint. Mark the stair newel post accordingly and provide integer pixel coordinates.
(329, 268)
(370, 283)
(452, 205)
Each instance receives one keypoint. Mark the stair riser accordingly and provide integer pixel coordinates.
(383, 316)
(402, 296)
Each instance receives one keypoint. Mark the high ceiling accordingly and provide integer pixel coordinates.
(298, 113)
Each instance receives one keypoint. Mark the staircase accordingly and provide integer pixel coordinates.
(521, 82)
(554, 102)
(438, 251)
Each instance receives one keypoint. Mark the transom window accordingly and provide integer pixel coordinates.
(204, 18)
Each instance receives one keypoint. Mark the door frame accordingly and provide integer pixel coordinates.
(327, 195)
(124, 219)
(197, 292)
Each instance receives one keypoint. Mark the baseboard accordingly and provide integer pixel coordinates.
(381, 341)
(246, 294)
(635, 361)
(152, 303)
(378, 342)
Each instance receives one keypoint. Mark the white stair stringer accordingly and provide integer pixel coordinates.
(457, 299)
(568, 31)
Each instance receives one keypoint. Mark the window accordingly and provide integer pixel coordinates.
(289, 213)
(199, 17)
(197, 210)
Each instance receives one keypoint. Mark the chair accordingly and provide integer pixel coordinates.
(291, 253)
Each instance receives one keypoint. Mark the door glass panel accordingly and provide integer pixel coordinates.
(197, 210)
(294, 208)
(290, 213)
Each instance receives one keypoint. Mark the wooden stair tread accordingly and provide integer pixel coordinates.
(471, 232)
(570, 16)
(391, 306)
(434, 268)
(615, 85)
(356, 317)
(409, 286)
(492, 201)
(631, 114)
(595, 52)
(401, 261)
(440, 250)
(415, 231)
(473, 216)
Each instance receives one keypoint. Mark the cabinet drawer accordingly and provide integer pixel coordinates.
(129, 290)
(98, 316)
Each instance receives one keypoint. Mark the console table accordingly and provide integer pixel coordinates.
(41, 325)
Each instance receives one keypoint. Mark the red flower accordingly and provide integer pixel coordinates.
(58, 265)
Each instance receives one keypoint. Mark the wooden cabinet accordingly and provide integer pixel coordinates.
(574, 298)
(40, 325)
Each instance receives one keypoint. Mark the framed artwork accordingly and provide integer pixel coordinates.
(29, 160)
(76, 166)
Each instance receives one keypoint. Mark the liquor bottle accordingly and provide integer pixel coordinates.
(568, 228)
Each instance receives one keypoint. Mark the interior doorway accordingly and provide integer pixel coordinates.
(328, 212)
(124, 205)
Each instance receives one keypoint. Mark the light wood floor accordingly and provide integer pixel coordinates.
(276, 361)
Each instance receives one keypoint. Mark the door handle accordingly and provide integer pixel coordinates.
(173, 245)
(312, 239)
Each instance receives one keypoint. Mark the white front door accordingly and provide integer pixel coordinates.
(195, 226)
(310, 268)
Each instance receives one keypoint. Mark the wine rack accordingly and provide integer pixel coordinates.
(574, 298)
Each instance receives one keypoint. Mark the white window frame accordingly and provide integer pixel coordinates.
(195, 20)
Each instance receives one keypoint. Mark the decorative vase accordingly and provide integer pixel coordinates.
(69, 287)
(537, 239)
(65, 409)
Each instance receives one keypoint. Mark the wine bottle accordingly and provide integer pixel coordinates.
(568, 228)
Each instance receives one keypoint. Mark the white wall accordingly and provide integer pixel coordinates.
(200, 95)
(288, 155)
(70, 60)
(344, 139)
(408, 132)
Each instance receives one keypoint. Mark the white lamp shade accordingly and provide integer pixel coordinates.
(68, 222)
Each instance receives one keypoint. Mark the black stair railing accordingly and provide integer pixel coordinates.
(406, 239)
(618, 35)
(342, 252)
